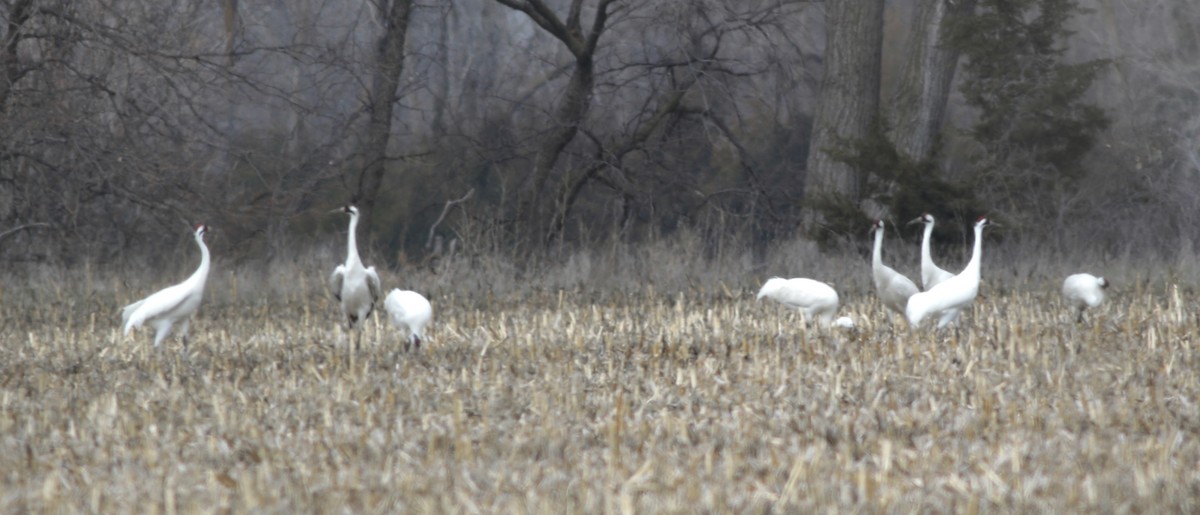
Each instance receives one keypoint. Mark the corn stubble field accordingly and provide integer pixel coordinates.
(594, 400)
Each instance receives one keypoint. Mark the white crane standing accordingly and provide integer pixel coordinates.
(950, 297)
(816, 300)
(165, 307)
(411, 311)
(931, 274)
(355, 287)
(1082, 291)
(893, 288)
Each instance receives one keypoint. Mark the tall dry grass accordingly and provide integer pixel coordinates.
(620, 380)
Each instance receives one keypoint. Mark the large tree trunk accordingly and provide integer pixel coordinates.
(919, 103)
(389, 66)
(849, 93)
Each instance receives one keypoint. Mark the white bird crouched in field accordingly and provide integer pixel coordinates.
(173, 304)
(947, 300)
(893, 288)
(356, 288)
(411, 311)
(931, 274)
(816, 300)
(1082, 291)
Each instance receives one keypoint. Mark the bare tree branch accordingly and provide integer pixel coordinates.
(11, 232)
(445, 209)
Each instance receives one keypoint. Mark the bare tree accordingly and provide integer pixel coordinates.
(576, 97)
(385, 79)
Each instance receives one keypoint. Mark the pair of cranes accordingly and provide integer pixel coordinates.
(357, 289)
(945, 294)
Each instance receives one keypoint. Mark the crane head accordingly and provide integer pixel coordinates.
(1103, 283)
(983, 222)
(348, 209)
(200, 230)
(923, 219)
(877, 225)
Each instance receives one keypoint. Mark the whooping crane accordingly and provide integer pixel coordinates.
(950, 297)
(167, 306)
(893, 288)
(355, 287)
(1081, 291)
(816, 300)
(409, 310)
(931, 274)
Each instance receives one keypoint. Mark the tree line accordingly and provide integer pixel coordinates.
(520, 126)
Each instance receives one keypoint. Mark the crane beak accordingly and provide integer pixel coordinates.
(338, 210)
(914, 221)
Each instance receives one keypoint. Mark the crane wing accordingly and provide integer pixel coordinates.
(162, 301)
(394, 307)
(128, 311)
(335, 281)
(373, 284)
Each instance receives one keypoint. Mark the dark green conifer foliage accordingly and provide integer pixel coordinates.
(1034, 124)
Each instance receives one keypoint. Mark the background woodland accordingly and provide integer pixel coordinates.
(525, 127)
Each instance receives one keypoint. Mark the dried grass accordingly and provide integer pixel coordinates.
(560, 397)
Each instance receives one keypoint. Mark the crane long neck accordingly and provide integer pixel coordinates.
(877, 254)
(973, 265)
(925, 254)
(352, 244)
(201, 274)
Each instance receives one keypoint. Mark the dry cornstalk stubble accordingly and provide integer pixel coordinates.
(569, 402)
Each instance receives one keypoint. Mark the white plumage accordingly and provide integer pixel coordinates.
(411, 311)
(1082, 291)
(355, 287)
(163, 309)
(893, 288)
(931, 274)
(816, 300)
(947, 300)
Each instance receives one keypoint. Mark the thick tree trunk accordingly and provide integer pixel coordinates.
(567, 118)
(849, 93)
(386, 78)
(919, 103)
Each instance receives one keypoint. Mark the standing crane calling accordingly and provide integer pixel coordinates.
(409, 310)
(164, 308)
(950, 297)
(893, 288)
(355, 287)
(1082, 291)
(931, 274)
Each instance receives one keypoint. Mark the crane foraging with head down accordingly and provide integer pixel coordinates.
(893, 288)
(816, 300)
(1082, 291)
(355, 287)
(171, 305)
(950, 297)
(411, 311)
(931, 274)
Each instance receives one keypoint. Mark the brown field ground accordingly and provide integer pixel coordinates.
(549, 397)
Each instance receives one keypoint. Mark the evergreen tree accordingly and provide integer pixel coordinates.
(1034, 125)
